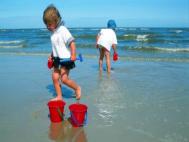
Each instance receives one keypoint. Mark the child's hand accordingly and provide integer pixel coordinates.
(50, 62)
(115, 56)
(73, 58)
(97, 46)
(50, 58)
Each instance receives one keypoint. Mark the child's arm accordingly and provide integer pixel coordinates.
(97, 37)
(50, 56)
(114, 47)
(73, 51)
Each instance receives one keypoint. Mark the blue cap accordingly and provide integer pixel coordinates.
(111, 24)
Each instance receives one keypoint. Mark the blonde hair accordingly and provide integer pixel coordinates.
(51, 15)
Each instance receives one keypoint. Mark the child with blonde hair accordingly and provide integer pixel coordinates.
(61, 39)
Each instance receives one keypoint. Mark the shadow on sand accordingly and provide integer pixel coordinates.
(66, 92)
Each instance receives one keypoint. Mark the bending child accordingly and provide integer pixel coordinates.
(60, 39)
(106, 39)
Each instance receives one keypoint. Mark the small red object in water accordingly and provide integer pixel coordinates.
(50, 63)
(115, 56)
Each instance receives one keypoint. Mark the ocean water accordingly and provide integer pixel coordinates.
(157, 44)
(146, 97)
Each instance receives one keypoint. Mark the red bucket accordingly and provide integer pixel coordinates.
(56, 109)
(115, 56)
(78, 114)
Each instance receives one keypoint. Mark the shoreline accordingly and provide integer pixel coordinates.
(121, 58)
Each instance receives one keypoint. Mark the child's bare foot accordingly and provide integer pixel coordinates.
(78, 93)
(56, 99)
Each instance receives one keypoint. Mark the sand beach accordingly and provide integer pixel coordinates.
(140, 101)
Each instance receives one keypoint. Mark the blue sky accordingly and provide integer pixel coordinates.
(95, 13)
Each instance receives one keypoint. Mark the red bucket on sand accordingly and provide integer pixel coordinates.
(56, 110)
(78, 114)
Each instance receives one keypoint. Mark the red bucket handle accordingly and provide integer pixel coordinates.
(76, 122)
(60, 114)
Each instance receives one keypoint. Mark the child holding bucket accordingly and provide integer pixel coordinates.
(106, 39)
(61, 38)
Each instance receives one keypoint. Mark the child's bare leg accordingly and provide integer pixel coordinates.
(70, 83)
(101, 50)
(108, 64)
(56, 83)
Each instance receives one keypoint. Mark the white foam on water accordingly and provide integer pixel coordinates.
(12, 46)
(142, 38)
(12, 42)
(173, 49)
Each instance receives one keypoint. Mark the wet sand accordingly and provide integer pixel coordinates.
(140, 101)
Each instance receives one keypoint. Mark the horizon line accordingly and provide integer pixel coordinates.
(99, 27)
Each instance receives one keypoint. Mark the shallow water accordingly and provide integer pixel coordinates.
(140, 101)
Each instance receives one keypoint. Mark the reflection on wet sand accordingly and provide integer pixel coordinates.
(65, 132)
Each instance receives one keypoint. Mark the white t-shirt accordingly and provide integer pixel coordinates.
(60, 39)
(107, 37)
